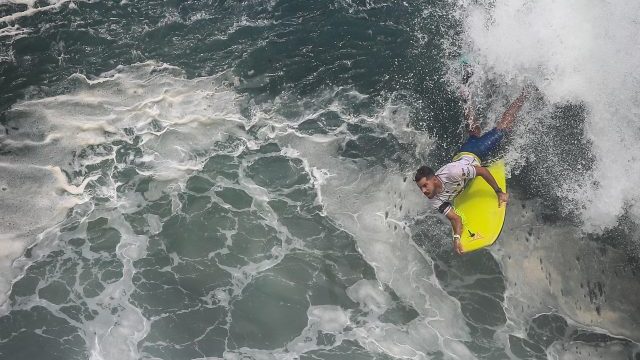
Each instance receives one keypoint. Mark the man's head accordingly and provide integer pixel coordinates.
(427, 181)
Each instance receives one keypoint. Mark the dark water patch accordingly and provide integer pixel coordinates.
(272, 310)
(482, 309)
(163, 285)
(199, 234)
(400, 312)
(546, 329)
(194, 204)
(78, 312)
(25, 286)
(222, 165)
(277, 172)
(172, 335)
(38, 334)
(278, 299)
(525, 349)
(81, 271)
(347, 349)
(285, 43)
(477, 282)
(364, 146)
(81, 39)
(200, 279)
(320, 43)
(594, 337)
(56, 292)
(322, 237)
(101, 237)
(237, 198)
(199, 184)
(595, 345)
(252, 241)
(323, 123)
(303, 228)
(161, 207)
(157, 290)
(11, 8)
(483, 344)
(374, 144)
(269, 148)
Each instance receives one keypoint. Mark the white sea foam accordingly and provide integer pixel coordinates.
(174, 121)
(370, 296)
(13, 31)
(363, 200)
(329, 318)
(33, 198)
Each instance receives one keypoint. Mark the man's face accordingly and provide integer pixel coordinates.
(427, 186)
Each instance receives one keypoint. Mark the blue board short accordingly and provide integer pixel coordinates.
(483, 146)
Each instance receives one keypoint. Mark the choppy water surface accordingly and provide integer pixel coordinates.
(227, 179)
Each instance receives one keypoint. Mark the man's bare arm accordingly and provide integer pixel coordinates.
(456, 224)
(503, 197)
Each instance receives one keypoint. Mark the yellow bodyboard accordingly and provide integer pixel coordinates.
(477, 204)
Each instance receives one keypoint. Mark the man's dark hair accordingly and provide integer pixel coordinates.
(424, 171)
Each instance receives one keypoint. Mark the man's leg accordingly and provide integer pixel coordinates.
(471, 120)
(509, 116)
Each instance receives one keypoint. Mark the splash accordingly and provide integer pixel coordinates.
(579, 53)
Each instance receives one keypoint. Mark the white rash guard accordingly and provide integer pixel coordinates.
(454, 177)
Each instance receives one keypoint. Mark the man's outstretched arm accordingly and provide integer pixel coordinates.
(503, 197)
(456, 224)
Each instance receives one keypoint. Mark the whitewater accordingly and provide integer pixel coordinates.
(234, 180)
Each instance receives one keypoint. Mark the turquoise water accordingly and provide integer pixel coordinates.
(188, 180)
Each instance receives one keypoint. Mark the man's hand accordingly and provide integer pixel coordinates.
(503, 197)
(457, 246)
(456, 224)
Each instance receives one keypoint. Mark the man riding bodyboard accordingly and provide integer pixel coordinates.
(443, 185)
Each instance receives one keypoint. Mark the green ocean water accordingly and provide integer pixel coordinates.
(233, 179)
